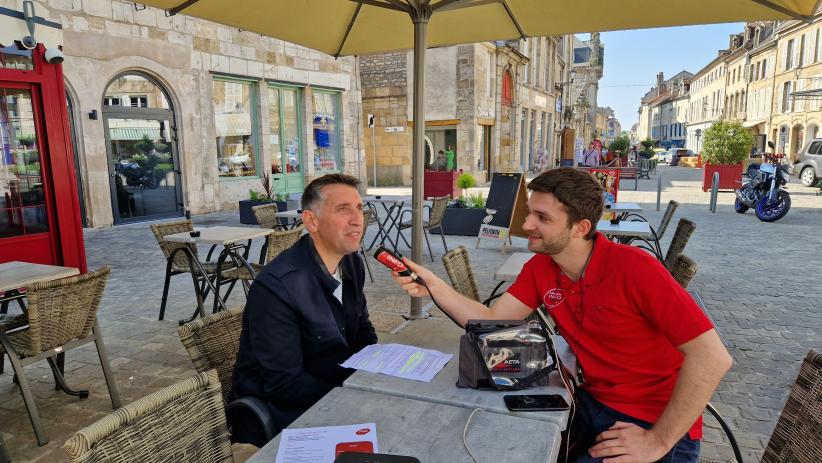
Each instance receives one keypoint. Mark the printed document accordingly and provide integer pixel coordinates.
(325, 444)
(408, 362)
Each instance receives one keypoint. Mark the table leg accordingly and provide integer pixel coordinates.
(57, 368)
(195, 265)
(381, 231)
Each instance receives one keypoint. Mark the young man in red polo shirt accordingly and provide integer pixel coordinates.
(651, 359)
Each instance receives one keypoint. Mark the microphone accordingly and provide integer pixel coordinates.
(395, 263)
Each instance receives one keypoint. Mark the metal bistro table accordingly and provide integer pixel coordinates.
(393, 206)
(294, 216)
(231, 238)
(623, 209)
(443, 335)
(634, 230)
(430, 432)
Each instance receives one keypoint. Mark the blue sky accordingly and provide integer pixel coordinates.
(633, 59)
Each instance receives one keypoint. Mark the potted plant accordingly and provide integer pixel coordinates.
(464, 216)
(257, 198)
(726, 145)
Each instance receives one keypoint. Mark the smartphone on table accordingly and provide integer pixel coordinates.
(535, 402)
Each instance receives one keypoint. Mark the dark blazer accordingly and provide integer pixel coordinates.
(296, 333)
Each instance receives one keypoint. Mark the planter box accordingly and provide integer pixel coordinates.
(247, 215)
(461, 221)
(441, 183)
(729, 176)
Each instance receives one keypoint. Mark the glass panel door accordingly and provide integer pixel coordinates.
(22, 193)
(142, 166)
(285, 136)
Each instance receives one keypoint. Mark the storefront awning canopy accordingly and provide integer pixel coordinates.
(134, 133)
(13, 28)
(749, 124)
(353, 27)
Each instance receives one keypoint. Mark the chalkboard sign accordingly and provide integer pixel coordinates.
(506, 202)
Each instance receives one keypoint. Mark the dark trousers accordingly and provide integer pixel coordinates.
(592, 418)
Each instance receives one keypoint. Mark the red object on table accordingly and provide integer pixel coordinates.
(441, 183)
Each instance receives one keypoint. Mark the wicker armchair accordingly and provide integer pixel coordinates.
(683, 269)
(183, 423)
(797, 437)
(266, 215)
(435, 215)
(458, 268)
(212, 343)
(684, 229)
(62, 315)
(177, 262)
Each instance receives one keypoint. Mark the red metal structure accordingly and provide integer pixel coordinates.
(39, 220)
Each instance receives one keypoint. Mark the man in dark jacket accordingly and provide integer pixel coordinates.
(306, 311)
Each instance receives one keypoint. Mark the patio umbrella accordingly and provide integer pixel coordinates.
(354, 27)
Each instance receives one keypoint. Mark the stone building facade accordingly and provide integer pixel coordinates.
(497, 105)
(221, 108)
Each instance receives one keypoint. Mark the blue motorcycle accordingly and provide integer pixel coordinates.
(764, 190)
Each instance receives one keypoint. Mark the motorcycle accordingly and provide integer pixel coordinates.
(764, 190)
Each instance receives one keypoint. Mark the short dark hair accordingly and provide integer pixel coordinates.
(576, 190)
(313, 191)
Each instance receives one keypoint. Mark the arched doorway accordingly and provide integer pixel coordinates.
(811, 132)
(141, 144)
(70, 108)
(783, 140)
(797, 134)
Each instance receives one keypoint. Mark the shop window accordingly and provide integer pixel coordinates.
(285, 131)
(235, 127)
(325, 107)
(14, 57)
(111, 101)
(22, 196)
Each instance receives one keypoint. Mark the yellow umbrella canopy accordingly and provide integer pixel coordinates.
(354, 27)
(383, 25)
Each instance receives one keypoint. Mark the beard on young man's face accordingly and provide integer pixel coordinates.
(550, 245)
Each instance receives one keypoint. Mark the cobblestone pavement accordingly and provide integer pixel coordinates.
(759, 281)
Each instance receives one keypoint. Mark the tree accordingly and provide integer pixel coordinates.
(726, 142)
(621, 144)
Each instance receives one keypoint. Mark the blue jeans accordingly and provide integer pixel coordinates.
(593, 417)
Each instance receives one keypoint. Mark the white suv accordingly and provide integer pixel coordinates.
(808, 166)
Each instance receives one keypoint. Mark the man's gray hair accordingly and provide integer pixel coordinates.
(312, 195)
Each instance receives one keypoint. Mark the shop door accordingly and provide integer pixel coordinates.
(285, 139)
(26, 216)
(144, 168)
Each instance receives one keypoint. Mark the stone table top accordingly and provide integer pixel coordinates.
(443, 335)
(625, 228)
(219, 235)
(510, 269)
(623, 207)
(428, 431)
(14, 275)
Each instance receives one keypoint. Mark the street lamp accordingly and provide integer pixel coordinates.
(698, 134)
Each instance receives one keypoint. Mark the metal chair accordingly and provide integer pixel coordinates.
(458, 268)
(683, 269)
(684, 229)
(643, 169)
(368, 217)
(183, 423)
(663, 225)
(178, 262)
(436, 212)
(212, 343)
(797, 437)
(62, 315)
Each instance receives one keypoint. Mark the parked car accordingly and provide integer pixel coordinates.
(666, 156)
(808, 166)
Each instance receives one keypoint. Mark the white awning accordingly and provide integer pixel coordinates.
(754, 123)
(13, 28)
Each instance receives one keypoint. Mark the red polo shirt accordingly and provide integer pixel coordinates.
(624, 320)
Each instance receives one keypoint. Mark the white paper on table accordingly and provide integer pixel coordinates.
(408, 362)
(321, 445)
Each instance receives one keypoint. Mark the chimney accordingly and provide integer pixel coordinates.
(660, 81)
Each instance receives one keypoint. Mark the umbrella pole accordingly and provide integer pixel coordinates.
(420, 15)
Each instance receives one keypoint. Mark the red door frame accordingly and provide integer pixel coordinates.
(54, 138)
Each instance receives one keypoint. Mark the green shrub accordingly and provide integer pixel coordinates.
(476, 201)
(621, 144)
(466, 181)
(726, 142)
